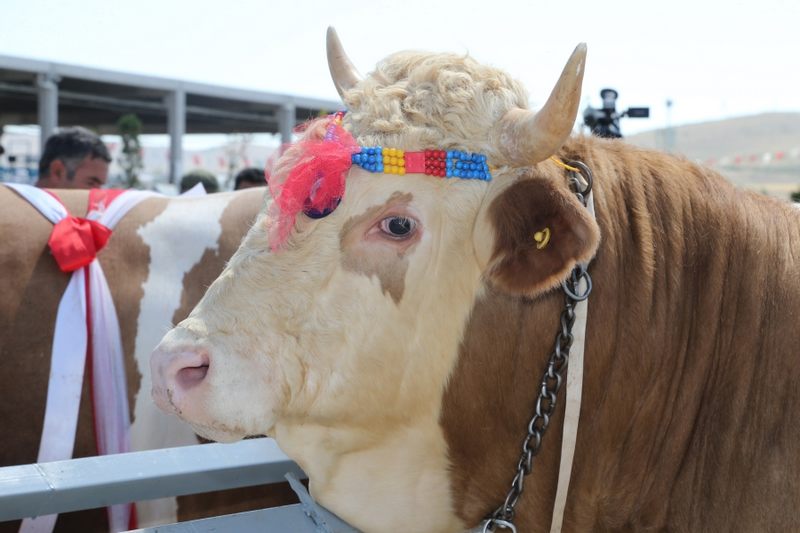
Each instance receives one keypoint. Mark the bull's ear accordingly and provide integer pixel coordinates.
(530, 235)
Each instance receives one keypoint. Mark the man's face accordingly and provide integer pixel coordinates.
(91, 173)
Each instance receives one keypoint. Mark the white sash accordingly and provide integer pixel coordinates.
(68, 358)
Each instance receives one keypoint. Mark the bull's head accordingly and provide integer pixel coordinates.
(340, 343)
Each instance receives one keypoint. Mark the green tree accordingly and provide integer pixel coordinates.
(129, 127)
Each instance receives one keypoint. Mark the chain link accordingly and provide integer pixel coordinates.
(552, 379)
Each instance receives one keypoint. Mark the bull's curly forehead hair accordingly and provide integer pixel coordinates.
(417, 100)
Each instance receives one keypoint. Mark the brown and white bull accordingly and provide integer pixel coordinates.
(159, 261)
(394, 347)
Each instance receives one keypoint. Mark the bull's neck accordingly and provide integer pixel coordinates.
(681, 285)
(348, 469)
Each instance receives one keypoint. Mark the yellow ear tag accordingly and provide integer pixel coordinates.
(542, 238)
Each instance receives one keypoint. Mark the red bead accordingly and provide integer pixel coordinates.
(442, 154)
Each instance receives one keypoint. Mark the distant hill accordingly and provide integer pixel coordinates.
(760, 152)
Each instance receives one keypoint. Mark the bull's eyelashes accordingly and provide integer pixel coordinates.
(398, 227)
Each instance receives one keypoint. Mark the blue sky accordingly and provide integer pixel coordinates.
(714, 59)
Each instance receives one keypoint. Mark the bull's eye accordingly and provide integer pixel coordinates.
(398, 227)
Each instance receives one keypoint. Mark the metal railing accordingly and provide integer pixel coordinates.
(91, 482)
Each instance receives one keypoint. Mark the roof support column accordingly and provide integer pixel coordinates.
(287, 120)
(176, 127)
(47, 88)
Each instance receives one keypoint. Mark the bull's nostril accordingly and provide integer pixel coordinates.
(191, 376)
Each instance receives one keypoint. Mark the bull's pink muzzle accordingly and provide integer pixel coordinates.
(177, 374)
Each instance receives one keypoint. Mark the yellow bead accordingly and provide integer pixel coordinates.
(391, 170)
(399, 152)
(392, 152)
(401, 161)
(402, 171)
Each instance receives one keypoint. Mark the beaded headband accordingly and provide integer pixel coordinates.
(441, 163)
(316, 182)
(449, 163)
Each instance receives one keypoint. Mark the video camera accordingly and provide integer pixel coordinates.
(604, 122)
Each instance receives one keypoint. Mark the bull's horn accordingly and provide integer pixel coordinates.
(344, 74)
(525, 137)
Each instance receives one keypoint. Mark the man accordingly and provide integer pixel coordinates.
(73, 158)
(250, 177)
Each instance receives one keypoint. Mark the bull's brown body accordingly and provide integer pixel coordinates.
(692, 363)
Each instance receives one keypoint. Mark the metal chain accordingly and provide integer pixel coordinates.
(550, 384)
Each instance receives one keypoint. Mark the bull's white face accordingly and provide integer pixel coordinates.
(343, 338)
(355, 322)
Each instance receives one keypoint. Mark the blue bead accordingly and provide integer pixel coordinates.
(378, 150)
(371, 159)
(449, 154)
(448, 173)
(449, 163)
(379, 168)
(457, 173)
